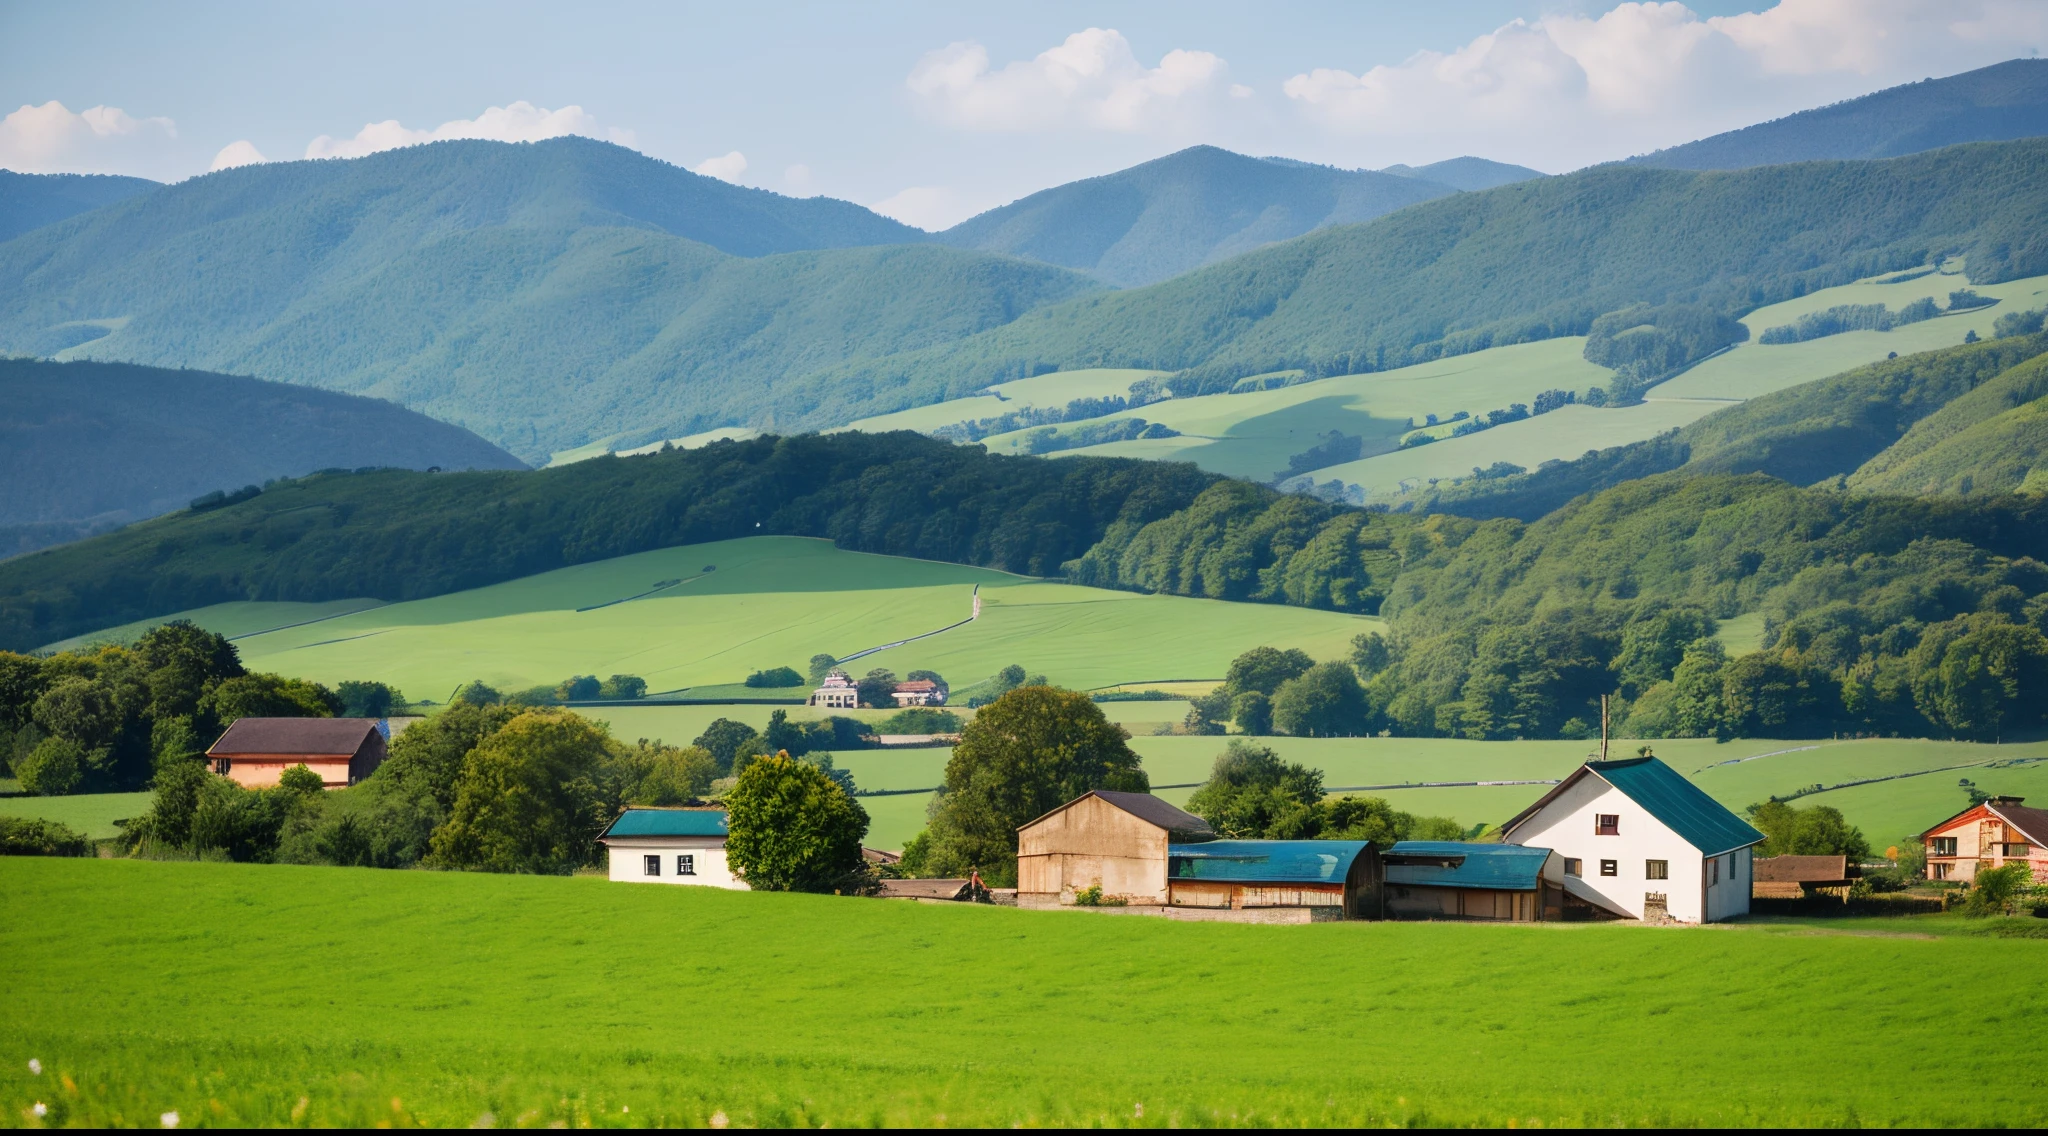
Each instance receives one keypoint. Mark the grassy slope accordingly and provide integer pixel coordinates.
(1993, 435)
(1253, 434)
(776, 601)
(93, 814)
(269, 996)
(1056, 389)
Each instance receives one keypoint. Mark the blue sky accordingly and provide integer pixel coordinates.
(932, 111)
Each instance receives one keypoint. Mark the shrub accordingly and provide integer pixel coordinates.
(53, 768)
(32, 836)
(1998, 891)
(920, 720)
(2018, 323)
(776, 677)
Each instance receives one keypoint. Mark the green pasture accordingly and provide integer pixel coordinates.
(234, 620)
(243, 996)
(1056, 389)
(771, 601)
(93, 814)
(1890, 812)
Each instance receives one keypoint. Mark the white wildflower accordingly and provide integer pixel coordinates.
(719, 1120)
(41, 1109)
(169, 1119)
(35, 1066)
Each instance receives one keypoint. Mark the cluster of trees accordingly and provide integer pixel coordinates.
(106, 719)
(1002, 682)
(1819, 830)
(1144, 392)
(1643, 344)
(1851, 317)
(1334, 448)
(1252, 794)
(1268, 690)
(508, 789)
(779, 677)
(1051, 439)
(2018, 323)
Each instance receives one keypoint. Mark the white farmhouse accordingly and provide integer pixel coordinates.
(670, 846)
(1641, 841)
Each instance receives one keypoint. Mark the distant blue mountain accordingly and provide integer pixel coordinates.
(1468, 173)
(1991, 104)
(1167, 216)
(30, 201)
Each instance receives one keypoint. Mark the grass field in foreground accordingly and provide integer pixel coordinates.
(774, 601)
(238, 995)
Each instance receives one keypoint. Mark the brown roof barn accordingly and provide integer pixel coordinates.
(1791, 877)
(255, 752)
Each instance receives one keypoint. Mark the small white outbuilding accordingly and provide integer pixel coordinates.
(670, 846)
(1641, 841)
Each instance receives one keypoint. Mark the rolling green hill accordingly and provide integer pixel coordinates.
(87, 446)
(1990, 104)
(1533, 260)
(1157, 220)
(771, 601)
(30, 201)
(393, 535)
(542, 295)
(1985, 441)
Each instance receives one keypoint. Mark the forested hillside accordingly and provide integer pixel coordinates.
(86, 446)
(1160, 219)
(541, 295)
(30, 201)
(1468, 173)
(1527, 261)
(1991, 104)
(1867, 425)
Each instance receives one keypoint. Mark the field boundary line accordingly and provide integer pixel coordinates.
(645, 594)
(976, 594)
(305, 622)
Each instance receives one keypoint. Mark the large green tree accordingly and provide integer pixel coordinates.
(1324, 701)
(793, 828)
(529, 798)
(1022, 756)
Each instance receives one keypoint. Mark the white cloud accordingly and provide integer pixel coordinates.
(725, 167)
(243, 153)
(931, 207)
(518, 122)
(101, 139)
(1565, 90)
(1090, 80)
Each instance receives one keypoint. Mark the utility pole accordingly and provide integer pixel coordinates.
(1603, 727)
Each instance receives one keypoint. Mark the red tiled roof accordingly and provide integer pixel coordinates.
(340, 737)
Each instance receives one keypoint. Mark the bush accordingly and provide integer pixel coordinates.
(367, 699)
(794, 829)
(2018, 323)
(622, 687)
(32, 836)
(920, 720)
(776, 678)
(52, 769)
(1998, 891)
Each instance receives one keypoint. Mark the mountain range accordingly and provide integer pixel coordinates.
(1991, 104)
(546, 295)
(89, 446)
(1201, 205)
(30, 201)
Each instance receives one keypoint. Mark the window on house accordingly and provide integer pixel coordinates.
(1574, 867)
(652, 865)
(1733, 863)
(1610, 867)
(1607, 824)
(2018, 851)
(1939, 871)
(1656, 869)
(1714, 871)
(686, 865)
(1943, 846)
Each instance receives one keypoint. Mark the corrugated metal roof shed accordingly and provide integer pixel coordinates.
(1265, 861)
(1685, 809)
(668, 822)
(1502, 867)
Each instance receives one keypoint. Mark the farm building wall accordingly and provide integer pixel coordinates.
(1412, 902)
(1567, 825)
(1091, 842)
(265, 770)
(1223, 893)
(628, 861)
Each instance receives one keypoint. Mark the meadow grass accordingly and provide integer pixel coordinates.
(243, 995)
(1056, 389)
(772, 601)
(93, 814)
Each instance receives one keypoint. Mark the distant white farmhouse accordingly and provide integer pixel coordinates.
(920, 692)
(1641, 841)
(670, 846)
(838, 692)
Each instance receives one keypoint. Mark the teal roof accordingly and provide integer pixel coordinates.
(1504, 867)
(1265, 861)
(668, 822)
(1685, 809)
